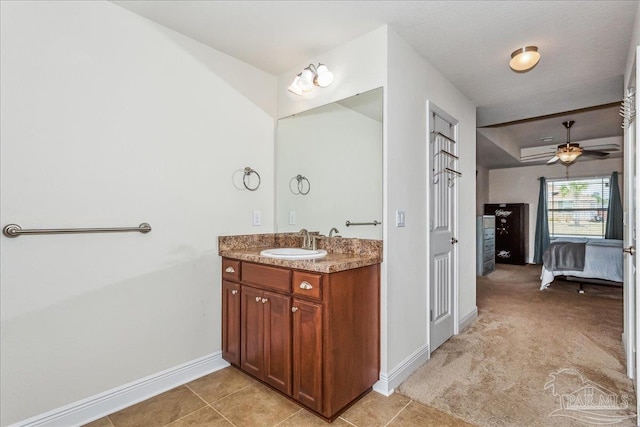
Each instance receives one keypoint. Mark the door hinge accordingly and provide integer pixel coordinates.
(431, 315)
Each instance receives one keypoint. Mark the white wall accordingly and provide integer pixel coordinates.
(482, 188)
(521, 185)
(111, 120)
(362, 65)
(413, 81)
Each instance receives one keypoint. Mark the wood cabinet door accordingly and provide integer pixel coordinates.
(252, 332)
(277, 341)
(307, 354)
(231, 322)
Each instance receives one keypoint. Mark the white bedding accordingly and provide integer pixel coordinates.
(603, 260)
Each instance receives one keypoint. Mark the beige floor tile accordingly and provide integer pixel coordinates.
(255, 405)
(375, 409)
(205, 417)
(159, 410)
(416, 414)
(307, 419)
(219, 384)
(101, 422)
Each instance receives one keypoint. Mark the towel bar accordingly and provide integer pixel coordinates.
(14, 230)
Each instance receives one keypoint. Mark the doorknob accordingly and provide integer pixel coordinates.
(454, 240)
(631, 250)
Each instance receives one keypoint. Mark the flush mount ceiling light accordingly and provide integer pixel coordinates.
(524, 59)
(309, 77)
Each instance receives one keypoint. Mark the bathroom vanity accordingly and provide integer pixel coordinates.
(309, 329)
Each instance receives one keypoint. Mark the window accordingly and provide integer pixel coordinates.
(578, 207)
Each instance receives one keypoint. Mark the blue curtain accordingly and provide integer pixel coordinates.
(542, 224)
(614, 213)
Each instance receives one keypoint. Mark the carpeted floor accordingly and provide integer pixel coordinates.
(494, 373)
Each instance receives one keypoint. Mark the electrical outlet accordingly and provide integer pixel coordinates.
(257, 218)
(292, 217)
(400, 218)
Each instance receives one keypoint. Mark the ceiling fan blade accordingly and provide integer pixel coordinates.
(540, 156)
(553, 160)
(594, 153)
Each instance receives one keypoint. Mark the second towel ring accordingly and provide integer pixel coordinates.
(247, 173)
(301, 185)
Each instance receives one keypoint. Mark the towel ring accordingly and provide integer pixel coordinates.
(301, 180)
(247, 172)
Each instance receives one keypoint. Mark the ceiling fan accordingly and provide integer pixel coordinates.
(569, 152)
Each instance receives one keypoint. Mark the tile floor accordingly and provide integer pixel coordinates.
(231, 398)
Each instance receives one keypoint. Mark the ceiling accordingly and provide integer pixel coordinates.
(583, 45)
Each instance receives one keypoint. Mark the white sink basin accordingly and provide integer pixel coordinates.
(294, 253)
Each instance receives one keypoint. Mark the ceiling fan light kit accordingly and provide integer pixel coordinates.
(569, 152)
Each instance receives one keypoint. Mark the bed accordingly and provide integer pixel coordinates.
(583, 260)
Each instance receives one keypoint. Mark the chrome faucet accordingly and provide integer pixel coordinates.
(306, 240)
(332, 230)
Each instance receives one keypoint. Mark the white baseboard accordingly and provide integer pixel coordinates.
(468, 319)
(100, 405)
(390, 380)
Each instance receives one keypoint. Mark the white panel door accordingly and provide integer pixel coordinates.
(630, 227)
(443, 176)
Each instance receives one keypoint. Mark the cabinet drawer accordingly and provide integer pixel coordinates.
(307, 285)
(231, 269)
(264, 276)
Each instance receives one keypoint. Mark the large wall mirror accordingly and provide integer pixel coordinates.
(329, 168)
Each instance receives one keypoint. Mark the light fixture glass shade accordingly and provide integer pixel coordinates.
(294, 86)
(324, 77)
(569, 154)
(524, 58)
(306, 80)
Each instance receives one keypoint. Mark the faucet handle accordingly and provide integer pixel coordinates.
(314, 240)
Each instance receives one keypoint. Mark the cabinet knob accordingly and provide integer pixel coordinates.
(305, 285)
(294, 309)
(234, 292)
(230, 270)
(264, 300)
(258, 299)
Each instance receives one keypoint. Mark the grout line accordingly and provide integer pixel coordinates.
(347, 421)
(288, 417)
(222, 415)
(192, 412)
(394, 417)
(197, 395)
(223, 397)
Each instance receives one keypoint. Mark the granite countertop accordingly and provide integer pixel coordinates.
(332, 263)
(342, 254)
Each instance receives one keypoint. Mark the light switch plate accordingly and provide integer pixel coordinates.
(400, 218)
(292, 217)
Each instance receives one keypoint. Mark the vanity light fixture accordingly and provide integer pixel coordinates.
(524, 59)
(309, 77)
